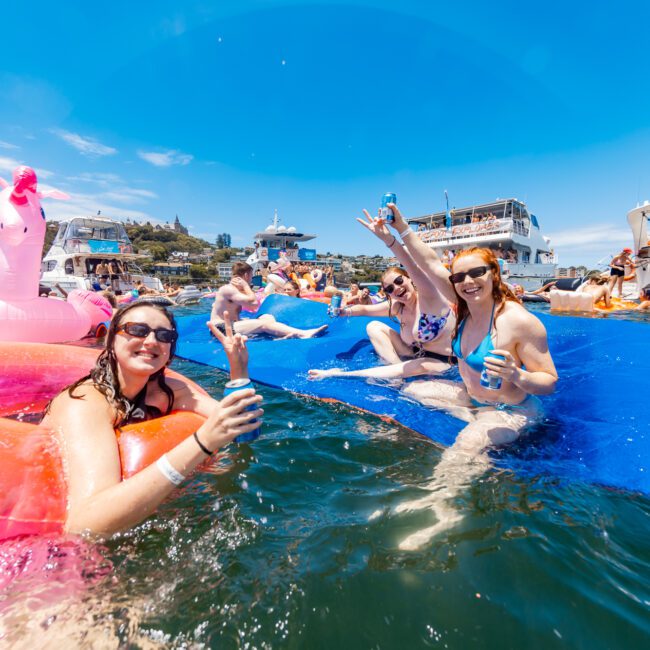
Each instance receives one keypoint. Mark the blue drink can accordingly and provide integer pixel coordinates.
(241, 384)
(385, 212)
(488, 381)
(335, 304)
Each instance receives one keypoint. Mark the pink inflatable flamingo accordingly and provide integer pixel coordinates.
(23, 315)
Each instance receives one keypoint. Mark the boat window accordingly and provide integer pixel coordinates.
(69, 267)
(533, 220)
(60, 235)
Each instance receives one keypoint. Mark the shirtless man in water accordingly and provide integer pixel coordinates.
(237, 294)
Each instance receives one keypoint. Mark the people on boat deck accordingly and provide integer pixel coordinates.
(128, 384)
(231, 298)
(617, 270)
(425, 315)
(102, 271)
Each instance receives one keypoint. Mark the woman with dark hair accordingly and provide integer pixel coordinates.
(128, 384)
(425, 315)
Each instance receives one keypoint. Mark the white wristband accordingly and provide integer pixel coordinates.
(405, 232)
(166, 469)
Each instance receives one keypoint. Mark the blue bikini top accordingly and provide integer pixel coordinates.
(474, 359)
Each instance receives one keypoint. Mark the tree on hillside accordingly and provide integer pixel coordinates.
(223, 240)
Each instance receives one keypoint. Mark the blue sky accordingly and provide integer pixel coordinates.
(222, 112)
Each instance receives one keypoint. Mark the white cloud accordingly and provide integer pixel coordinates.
(86, 205)
(84, 145)
(166, 158)
(97, 177)
(8, 164)
(8, 145)
(594, 237)
(128, 195)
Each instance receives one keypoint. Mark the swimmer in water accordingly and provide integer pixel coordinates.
(237, 294)
(491, 321)
(128, 384)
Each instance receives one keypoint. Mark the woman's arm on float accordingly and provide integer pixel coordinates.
(425, 258)
(98, 500)
(539, 376)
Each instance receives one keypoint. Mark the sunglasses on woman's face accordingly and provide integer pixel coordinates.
(476, 272)
(397, 282)
(142, 330)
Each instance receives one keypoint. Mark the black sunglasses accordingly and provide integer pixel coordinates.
(397, 282)
(476, 272)
(142, 330)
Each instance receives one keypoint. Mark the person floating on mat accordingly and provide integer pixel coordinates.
(426, 317)
(236, 295)
(128, 385)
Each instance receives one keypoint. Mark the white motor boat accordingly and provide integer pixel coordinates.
(81, 246)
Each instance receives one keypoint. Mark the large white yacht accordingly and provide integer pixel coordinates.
(638, 220)
(81, 244)
(506, 226)
(276, 239)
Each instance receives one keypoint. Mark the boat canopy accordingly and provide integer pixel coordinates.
(92, 235)
(512, 209)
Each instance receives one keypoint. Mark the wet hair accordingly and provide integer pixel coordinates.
(501, 293)
(104, 375)
(240, 269)
(399, 271)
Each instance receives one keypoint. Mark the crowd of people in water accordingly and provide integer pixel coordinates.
(450, 314)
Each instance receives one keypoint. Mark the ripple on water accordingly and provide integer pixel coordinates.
(276, 546)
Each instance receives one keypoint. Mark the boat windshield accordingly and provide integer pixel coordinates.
(93, 236)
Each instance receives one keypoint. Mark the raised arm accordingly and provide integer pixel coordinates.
(423, 256)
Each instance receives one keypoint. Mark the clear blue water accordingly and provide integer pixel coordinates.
(274, 547)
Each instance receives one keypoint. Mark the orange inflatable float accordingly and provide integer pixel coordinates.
(33, 488)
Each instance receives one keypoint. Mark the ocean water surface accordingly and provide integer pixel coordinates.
(293, 542)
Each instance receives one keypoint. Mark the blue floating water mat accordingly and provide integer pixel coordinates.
(597, 420)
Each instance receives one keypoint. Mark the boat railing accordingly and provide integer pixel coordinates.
(473, 230)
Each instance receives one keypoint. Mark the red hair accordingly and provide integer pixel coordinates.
(501, 293)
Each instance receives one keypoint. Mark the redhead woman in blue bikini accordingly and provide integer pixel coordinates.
(490, 321)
